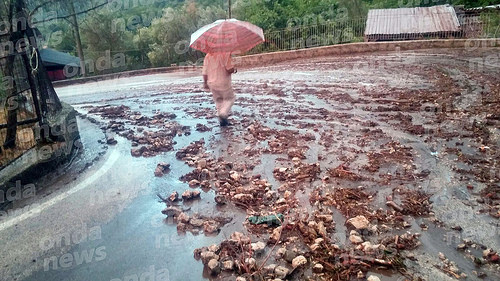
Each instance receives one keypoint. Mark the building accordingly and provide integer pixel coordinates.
(55, 62)
(412, 23)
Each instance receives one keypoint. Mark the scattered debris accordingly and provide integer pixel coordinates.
(161, 169)
(269, 220)
(174, 196)
(449, 267)
(343, 172)
(354, 166)
(358, 223)
(299, 261)
(373, 278)
(202, 128)
(191, 150)
(110, 139)
(191, 194)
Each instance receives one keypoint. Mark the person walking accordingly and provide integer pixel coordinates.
(219, 40)
(217, 71)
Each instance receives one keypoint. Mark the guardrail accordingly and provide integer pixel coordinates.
(486, 25)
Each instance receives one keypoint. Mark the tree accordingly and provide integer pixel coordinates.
(259, 12)
(272, 15)
(59, 36)
(106, 42)
(355, 8)
(168, 37)
(71, 16)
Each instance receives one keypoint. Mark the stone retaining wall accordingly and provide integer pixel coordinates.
(124, 74)
(363, 47)
(275, 57)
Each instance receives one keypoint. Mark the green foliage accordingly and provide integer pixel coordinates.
(157, 33)
(59, 35)
(101, 34)
(387, 4)
(258, 12)
(167, 39)
(277, 14)
(491, 27)
(355, 8)
(378, 4)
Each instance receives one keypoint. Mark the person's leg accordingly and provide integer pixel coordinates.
(219, 103)
(218, 100)
(228, 101)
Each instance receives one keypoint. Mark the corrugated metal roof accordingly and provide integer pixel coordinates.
(53, 57)
(412, 20)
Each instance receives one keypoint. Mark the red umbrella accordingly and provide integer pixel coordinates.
(227, 36)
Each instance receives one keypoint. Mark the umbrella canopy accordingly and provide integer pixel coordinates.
(227, 36)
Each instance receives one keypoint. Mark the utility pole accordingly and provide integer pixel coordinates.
(76, 33)
(229, 9)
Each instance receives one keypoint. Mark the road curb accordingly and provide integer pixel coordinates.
(124, 74)
(264, 59)
(364, 47)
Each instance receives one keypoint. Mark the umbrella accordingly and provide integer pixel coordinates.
(227, 36)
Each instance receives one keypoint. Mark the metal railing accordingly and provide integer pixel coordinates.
(486, 25)
(301, 37)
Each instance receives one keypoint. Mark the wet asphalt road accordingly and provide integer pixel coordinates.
(101, 220)
(106, 224)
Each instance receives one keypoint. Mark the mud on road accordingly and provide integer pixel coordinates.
(383, 165)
